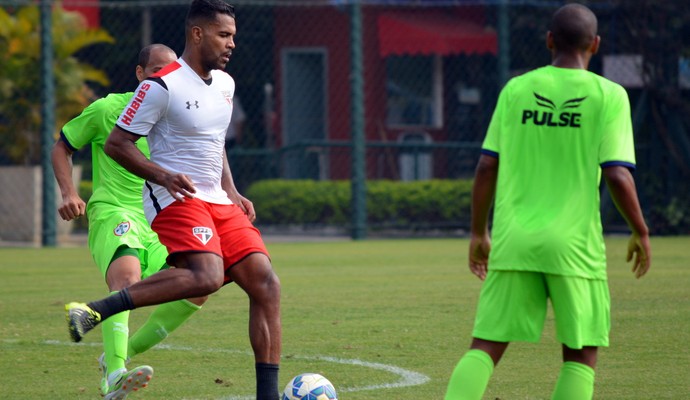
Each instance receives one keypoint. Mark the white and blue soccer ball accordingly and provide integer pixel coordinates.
(309, 386)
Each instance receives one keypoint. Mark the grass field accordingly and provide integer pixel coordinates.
(382, 319)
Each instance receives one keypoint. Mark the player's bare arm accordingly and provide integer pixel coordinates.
(121, 147)
(483, 190)
(228, 184)
(72, 206)
(621, 185)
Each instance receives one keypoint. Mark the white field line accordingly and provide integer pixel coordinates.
(406, 377)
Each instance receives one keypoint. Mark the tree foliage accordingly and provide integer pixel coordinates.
(20, 83)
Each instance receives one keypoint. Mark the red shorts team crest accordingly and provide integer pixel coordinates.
(222, 229)
(202, 233)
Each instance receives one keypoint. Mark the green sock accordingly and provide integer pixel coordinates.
(115, 333)
(163, 320)
(470, 377)
(575, 382)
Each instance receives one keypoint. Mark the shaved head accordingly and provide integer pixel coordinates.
(145, 53)
(574, 28)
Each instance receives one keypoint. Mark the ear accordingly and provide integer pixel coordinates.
(197, 34)
(595, 45)
(140, 73)
(549, 41)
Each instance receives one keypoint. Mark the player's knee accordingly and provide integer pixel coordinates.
(199, 301)
(210, 284)
(586, 355)
(256, 277)
(269, 287)
(120, 282)
(208, 280)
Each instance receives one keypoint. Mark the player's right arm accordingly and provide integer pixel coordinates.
(621, 185)
(75, 134)
(121, 147)
(483, 191)
(72, 205)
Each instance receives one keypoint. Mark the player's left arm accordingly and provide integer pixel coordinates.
(617, 159)
(228, 184)
(621, 185)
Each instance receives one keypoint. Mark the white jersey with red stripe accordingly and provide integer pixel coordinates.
(185, 119)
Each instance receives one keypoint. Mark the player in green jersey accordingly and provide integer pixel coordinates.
(121, 241)
(555, 131)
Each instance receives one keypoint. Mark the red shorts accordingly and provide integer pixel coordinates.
(197, 226)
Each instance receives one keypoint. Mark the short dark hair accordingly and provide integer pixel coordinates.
(573, 27)
(207, 10)
(145, 53)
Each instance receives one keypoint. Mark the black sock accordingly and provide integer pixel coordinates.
(113, 304)
(267, 382)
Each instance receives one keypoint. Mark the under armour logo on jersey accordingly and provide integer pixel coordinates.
(190, 104)
(121, 228)
(202, 233)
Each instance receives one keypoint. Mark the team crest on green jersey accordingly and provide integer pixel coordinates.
(122, 228)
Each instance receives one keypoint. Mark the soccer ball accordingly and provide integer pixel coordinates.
(309, 387)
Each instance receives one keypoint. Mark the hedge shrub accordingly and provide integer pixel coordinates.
(389, 203)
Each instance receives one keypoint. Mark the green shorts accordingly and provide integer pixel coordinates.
(512, 307)
(109, 231)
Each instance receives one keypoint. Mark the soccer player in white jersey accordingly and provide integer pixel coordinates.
(189, 195)
(121, 241)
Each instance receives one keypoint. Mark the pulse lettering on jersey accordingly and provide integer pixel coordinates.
(549, 118)
(135, 104)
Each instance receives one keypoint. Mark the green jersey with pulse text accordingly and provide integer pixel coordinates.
(552, 131)
(112, 184)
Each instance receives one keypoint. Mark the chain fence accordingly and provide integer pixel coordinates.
(431, 74)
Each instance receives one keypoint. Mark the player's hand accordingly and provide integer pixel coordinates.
(72, 207)
(480, 246)
(248, 208)
(639, 251)
(179, 186)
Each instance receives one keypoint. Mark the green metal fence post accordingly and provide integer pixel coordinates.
(48, 231)
(359, 212)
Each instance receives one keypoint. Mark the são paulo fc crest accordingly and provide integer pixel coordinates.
(202, 233)
(122, 228)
